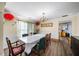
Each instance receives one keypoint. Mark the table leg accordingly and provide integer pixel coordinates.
(27, 54)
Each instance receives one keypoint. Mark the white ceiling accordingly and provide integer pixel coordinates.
(34, 10)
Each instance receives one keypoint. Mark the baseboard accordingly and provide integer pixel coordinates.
(55, 40)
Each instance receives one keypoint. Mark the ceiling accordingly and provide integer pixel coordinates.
(34, 10)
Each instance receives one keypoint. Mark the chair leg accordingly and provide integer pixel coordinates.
(21, 54)
(50, 42)
(38, 53)
(9, 54)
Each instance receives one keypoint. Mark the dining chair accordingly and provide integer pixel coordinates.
(24, 35)
(40, 46)
(18, 49)
(49, 38)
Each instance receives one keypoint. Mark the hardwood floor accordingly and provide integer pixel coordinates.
(55, 49)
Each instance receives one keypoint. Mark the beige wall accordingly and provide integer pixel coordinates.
(78, 25)
(1, 26)
(75, 25)
(1, 34)
(53, 30)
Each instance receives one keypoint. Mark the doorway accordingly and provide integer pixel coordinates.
(66, 27)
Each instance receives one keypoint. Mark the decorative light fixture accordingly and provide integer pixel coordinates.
(43, 18)
(8, 16)
(37, 23)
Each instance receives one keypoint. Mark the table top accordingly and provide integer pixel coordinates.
(32, 38)
(31, 41)
(77, 37)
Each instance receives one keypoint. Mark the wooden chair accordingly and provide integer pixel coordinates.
(18, 49)
(49, 38)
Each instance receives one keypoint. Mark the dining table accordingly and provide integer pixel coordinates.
(30, 41)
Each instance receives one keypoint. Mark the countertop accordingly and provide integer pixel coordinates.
(77, 37)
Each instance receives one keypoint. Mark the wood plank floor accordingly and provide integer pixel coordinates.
(55, 49)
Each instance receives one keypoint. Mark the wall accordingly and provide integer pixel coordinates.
(1, 26)
(67, 27)
(1, 34)
(53, 30)
(78, 25)
(75, 25)
(9, 30)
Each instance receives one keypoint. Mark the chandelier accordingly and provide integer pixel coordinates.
(43, 18)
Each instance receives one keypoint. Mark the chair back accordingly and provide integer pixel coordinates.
(9, 45)
(40, 45)
(47, 37)
(50, 36)
(24, 35)
(46, 40)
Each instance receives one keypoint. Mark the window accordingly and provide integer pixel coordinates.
(21, 28)
(24, 28)
(30, 28)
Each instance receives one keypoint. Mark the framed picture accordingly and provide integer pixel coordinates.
(47, 25)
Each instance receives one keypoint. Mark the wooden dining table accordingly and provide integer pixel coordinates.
(31, 41)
